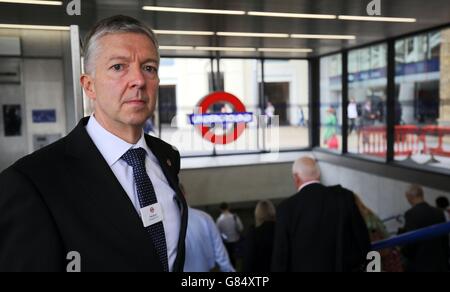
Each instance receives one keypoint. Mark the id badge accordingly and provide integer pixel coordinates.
(152, 214)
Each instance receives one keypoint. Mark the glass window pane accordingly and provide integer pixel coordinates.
(367, 83)
(286, 92)
(331, 103)
(241, 78)
(184, 82)
(422, 134)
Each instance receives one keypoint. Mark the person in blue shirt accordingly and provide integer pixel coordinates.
(204, 246)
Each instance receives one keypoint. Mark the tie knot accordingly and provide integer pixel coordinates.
(135, 157)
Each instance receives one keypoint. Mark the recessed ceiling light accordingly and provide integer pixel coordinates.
(323, 36)
(376, 18)
(37, 27)
(176, 48)
(236, 49)
(255, 35)
(226, 49)
(55, 3)
(193, 10)
(291, 15)
(184, 32)
(284, 50)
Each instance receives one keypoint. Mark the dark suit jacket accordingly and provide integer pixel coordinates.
(430, 255)
(66, 198)
(259, 247)
(320, 229)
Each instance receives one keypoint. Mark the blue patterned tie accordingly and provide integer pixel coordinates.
(147, 196)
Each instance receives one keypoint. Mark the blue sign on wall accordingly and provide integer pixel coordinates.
(44, 116)
(428, 66)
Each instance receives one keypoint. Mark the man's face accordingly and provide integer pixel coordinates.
(125, 84)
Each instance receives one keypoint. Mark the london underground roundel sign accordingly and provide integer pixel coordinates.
(232, 124)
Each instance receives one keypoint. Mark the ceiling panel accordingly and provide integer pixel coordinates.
(428, 13)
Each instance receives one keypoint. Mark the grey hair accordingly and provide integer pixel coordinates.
(306, 168)
(113, 25)
(415, 191)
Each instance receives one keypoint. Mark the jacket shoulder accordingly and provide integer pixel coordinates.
(166, 147)
(342, 194)
(165, 150)
(341, 190)
(307, 194)
(290, 203)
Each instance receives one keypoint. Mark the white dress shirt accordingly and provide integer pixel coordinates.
(230, 225)
(204, 245)
(352, 111)
(112, 149)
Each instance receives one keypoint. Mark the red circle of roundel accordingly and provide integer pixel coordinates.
(218, 97)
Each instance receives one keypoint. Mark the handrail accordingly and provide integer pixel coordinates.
(398, 218)
(414, 236)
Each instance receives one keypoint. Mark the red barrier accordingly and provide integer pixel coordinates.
(408, 140)
(440, 132)
(372, 141)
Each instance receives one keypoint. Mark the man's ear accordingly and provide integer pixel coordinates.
(297, 180)
(87, 82)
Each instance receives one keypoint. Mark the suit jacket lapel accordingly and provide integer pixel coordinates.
(102, 187)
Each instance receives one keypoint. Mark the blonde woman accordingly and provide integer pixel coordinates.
(391, 259)
(259, 242)
(374, 225)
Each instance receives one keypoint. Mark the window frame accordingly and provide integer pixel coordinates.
(215, 68)
(389, 162)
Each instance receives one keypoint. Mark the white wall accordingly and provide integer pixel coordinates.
(234, 184)
(44, 90)
(383, 195)
(241, 78)
(45, 69)
(242, 184)
(296, 72)
(191, 79)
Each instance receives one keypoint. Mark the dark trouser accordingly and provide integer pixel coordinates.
(352, 125)
(231, 248)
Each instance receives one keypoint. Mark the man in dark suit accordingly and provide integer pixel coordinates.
(320, 228)
(106, 191)
(430, 255)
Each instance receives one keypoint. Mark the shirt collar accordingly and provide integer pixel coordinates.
(307, 184)
(110, 146)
